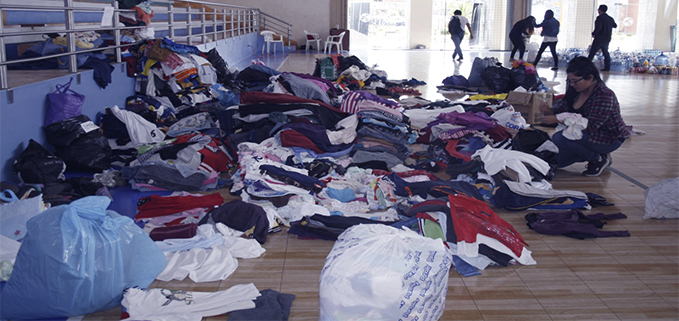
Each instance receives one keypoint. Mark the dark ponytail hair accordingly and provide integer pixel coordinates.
(549, 14)
(580, 66)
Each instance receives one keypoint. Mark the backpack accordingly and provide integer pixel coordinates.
(454, 26)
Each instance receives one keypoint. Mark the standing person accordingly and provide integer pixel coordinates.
(588, 98)
(522, 28)
(456, 28)
(550, 30)
(603, 28)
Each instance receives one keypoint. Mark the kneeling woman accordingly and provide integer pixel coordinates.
(587, 97)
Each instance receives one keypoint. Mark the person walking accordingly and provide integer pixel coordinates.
(550, 30)
(456, 28)
(603, 28)
(522, 28)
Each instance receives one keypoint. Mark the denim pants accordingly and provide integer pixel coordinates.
(457, 39)
(573, 151)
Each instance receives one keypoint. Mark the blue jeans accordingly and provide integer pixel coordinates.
(457, 39)
(573, 151)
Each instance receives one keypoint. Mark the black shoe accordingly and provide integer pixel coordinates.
(606, 69)
(596, 168)
(555, 68)
(460, 59)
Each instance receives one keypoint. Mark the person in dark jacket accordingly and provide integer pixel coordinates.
(522, 28)
(603, 28)
(550, 30)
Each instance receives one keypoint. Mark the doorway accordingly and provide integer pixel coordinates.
(379, 25)
(477, 12)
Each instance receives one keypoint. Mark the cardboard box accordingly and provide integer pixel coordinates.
(528, 104)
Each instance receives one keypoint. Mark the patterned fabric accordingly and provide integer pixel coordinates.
(602, 110)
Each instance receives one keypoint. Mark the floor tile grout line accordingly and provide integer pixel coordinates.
(628, 178)
(285, 258)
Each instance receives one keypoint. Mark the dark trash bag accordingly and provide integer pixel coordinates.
(63, 133)
(63, 103)
(80, 144)
(89, 153)
(478, 66)
(521, 79)
(497, 79)
(220, 65)
(36, 165)
(456, 80)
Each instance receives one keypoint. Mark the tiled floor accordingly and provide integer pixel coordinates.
(632, 278)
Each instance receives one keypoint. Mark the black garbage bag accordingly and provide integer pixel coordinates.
(497, 79)
(37, 165)
(221, 67)
(88, 153)
(63, 133)
(478, 66)
(518, 76)
(522, 79)
(531, 81)
(80, 144)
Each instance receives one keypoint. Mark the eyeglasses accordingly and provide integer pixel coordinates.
(574, 82)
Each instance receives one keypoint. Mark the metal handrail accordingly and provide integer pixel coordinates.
(241, 20)
(276, 25)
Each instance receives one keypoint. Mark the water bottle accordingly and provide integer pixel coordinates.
(661, 60)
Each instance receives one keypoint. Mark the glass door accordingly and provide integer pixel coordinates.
(379, 24)
(477, 12)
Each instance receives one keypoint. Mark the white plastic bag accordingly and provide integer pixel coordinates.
(13, 216)
(661, 199)
(510, 119)
(377, 272)
(531, 51)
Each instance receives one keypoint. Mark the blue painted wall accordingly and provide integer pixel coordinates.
(23, 119)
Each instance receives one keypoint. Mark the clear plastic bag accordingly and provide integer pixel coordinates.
(77, 259)
(378, 272)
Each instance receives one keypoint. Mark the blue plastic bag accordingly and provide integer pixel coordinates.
(77, 259)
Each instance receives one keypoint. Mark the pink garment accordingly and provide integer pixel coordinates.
(173, 61)
(324, 87)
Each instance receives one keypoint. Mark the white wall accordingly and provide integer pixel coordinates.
(420, 23)
(667, 16)
(310, 15)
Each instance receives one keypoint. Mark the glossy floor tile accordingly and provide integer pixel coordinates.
(632, 278)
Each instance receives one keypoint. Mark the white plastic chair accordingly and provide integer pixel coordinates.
(334, 40)
(312, 37)
(271, 37)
